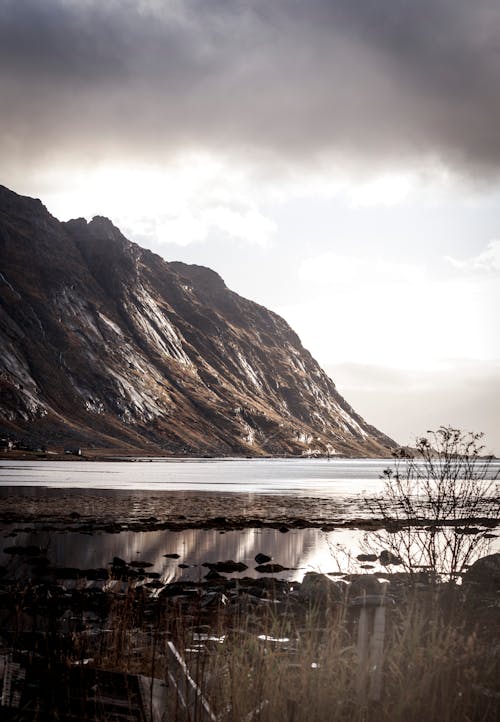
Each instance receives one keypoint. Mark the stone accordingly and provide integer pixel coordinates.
(270, 568)
(154, 584)
(227, 567)
(100, 573)
(262, 558)
(318, 588)
(214, 599)
(386, 557)
(485, 571)
(212, 574)
(180, 589)
(30, 550)
(365, 584)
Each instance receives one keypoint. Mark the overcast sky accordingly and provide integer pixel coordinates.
(337, 161)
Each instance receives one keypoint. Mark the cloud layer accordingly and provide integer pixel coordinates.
(462, 395)
(379, 84)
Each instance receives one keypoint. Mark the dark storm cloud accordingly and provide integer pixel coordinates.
(381, 82)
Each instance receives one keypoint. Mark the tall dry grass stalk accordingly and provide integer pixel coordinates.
(436, 668)
(274, 663)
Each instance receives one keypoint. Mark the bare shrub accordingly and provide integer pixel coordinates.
(438, 503)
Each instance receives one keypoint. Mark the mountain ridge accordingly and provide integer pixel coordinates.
(107, 344)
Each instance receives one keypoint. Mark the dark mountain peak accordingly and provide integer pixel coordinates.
(99, 228)
(20, 206)
(202, 276)
(103, 228)
(105, 343)
(110, 257)
(76, 224)
(11, 197)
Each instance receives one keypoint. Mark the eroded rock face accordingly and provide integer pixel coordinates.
(105, 343)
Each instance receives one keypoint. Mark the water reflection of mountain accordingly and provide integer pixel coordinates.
(300, 549)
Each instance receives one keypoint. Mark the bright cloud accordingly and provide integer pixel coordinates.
(248, 225)
(383, 190)
(179, 204)
(181, 230)
(488, 260)
(332, 268)
(392, 314)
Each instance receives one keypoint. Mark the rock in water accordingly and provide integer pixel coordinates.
(485, 571)
(227, 567)
(270, 568)
(320, 589)
(386, 557)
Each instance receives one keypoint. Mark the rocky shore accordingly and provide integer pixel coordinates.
(115, 511)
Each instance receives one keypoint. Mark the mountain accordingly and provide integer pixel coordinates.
(105, 344)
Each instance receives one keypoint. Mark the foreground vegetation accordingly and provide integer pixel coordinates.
(293, 656)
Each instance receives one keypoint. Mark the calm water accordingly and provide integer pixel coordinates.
(301, 549)
(297, 477)
(302, 477)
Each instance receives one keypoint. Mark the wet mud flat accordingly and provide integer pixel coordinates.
(117, 510)
(179, 509)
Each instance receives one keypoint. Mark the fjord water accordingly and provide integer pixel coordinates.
(328, 478)
(342, 482)
(308, 477)
(302, 550)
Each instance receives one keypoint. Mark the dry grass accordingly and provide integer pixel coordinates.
(431, 665)
(289, 661)
(438, 665)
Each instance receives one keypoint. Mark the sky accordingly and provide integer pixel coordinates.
(338, 162)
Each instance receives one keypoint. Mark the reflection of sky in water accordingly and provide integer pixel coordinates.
(302, 549)
(313, 477)
(334, 478)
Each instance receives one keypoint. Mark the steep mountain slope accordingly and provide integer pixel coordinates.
(104, 343)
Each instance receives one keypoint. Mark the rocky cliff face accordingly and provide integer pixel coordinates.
(104, 343)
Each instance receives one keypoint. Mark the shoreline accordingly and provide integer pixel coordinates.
(145, 457)
(114, 510)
